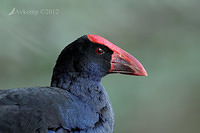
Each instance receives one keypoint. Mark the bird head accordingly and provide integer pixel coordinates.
(92, 56)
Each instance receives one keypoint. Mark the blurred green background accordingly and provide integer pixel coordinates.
(163, 35)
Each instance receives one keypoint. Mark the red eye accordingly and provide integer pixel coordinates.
(99, 51)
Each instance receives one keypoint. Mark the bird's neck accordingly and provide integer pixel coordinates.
(87, 90)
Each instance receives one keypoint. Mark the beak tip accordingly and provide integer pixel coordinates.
(144, 73)
(141, 72)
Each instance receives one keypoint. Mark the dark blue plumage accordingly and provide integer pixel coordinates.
(76, 102)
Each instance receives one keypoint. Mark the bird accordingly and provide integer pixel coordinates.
(75, 101)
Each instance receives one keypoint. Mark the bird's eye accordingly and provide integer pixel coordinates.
(99, 51)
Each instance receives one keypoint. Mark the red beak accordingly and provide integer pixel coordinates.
(124, 63)
(121, 62)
